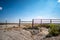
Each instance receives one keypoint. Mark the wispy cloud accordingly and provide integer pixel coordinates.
(0, 8)
(45, 17)
(59, 1)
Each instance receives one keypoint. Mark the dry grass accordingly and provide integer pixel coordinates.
(11, 28)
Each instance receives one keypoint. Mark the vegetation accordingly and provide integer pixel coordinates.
(54, 29)
(31, 28)
(45, 25)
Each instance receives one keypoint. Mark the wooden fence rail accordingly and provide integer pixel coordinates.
(38, 21)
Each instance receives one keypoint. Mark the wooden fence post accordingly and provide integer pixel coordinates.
(41, 21)
(19, 22)
(50, 21)
(6, 23)
(32, 22)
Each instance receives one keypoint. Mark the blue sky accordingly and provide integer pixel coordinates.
(26, 10)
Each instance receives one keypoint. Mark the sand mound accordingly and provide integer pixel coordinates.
(17, 35)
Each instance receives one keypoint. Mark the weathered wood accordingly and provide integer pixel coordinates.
(19, 22)
(50, 21)
(6, 23)
(32, 22)
(41, 21)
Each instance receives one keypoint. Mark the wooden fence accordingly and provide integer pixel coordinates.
(35, 21)
(45, 21)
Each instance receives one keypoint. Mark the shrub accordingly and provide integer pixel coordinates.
(54, 29)
(34, 27)
(45, 25)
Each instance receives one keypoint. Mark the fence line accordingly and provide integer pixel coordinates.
(37, 21)
(45, 21)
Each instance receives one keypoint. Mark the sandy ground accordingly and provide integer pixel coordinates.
(22, 34)
(15, 35)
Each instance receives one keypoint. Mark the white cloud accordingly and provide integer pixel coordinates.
(59, 1)
(39, 17)
(0, 8)
(44, 17)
